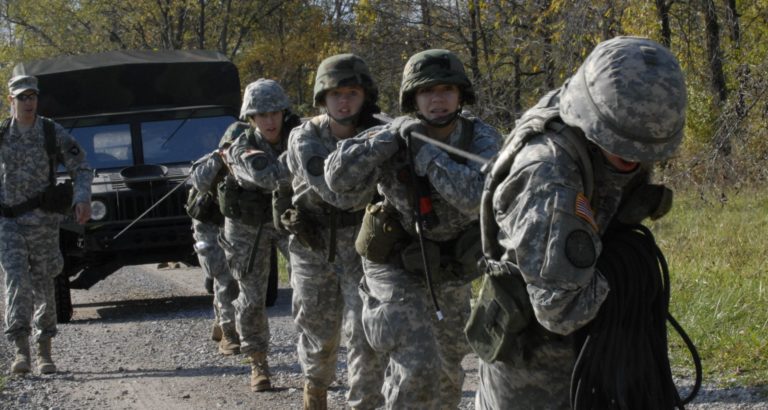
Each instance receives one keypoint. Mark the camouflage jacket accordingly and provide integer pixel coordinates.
(24, 169)
(308, 147)
(376, 159)
(548, 230)
(256, 164)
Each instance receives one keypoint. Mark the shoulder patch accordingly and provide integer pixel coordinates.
(315, 166)
(259, 163)
(579, 249)
(583, 210)
(75, 151)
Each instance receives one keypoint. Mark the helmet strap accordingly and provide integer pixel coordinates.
(441, 122)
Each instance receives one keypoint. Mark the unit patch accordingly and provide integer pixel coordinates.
(579, 249)
(315, 166)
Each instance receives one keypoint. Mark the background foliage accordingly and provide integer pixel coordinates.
(514, 51)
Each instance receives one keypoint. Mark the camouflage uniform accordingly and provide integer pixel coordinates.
(255, 165)
(325, 295)
(425, 354)
(541, 221)
(29, 244)
(212, 259)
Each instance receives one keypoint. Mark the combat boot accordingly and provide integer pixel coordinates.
(21, 363)
(44, 361)
(216, 332)
(259, 372)
(315, 398)
(230, 341)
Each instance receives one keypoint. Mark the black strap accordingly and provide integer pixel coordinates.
(49, 131)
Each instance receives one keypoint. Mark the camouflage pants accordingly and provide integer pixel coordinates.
(238, 242)
(541, 380)
(400, 320)
(325, 298)
(214, 264)
(31, 259)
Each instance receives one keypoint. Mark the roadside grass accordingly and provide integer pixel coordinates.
(716, 253)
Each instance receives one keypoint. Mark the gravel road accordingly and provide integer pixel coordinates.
(141, 340)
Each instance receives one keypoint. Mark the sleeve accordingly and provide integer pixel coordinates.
(459, 184)
(204, 172)
(549, 233)
(73, 159)
(354, 166)
(253, 168)
(306, 161)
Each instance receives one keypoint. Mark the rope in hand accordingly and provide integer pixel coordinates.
(624, 362)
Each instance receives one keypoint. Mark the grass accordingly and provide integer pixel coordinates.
(717, 259)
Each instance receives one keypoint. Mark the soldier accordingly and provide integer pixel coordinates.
(425, 353)
(551, 194)
(246, 202)
(326, 270)
(31, 208)
(206, 223)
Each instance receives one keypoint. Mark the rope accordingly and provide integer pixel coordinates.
(623, 362)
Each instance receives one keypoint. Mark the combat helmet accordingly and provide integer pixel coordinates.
(628, 97)
(433, 67)
(344, 70)
(262, 96)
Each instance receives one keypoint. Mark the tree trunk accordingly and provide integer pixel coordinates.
(714, 53)
(662, 11)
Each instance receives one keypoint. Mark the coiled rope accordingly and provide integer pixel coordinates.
(624, 362)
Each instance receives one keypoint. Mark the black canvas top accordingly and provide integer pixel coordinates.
(120, 81)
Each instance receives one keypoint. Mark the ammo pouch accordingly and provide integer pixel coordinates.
(281, 201)
(450, 261)
(57, 198)
(249, 207)
(203, 207)
(379, 233)
(501, 313)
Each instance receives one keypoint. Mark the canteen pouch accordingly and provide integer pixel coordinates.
(58, 198)
(501, 313)
(379, 233)
(229, 195)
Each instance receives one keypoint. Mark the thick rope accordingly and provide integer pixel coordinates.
(624, 362)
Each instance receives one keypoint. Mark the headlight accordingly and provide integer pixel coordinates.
(98, 210)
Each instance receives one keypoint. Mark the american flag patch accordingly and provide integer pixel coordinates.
(584, 210)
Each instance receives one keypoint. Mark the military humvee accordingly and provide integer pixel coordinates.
(142, 117)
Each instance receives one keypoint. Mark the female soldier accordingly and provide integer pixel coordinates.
(326, 270)
(398, 313)
(246, 197)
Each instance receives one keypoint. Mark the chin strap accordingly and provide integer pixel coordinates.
(441, 122)
(350, 120)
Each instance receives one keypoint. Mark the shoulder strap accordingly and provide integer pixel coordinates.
(575, 146)
(49, 131)
(4, 126)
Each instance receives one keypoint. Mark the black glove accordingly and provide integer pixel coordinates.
(405, 127)
(208, 285)
(647, 200)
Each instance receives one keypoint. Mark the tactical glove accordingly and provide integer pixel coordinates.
(405, 127)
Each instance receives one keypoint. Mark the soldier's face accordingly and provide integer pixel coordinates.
(24, 106)
(438, 101)
(269, 124)
(343, 102)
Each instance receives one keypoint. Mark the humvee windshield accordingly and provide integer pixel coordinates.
(167, 141)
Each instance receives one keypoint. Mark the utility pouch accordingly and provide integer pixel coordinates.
(255, 207)
(281, 201)
(203, 207)
(303, 229)
(58, 198)
(468, 250)
(412, 257)
(379, 233)
(229, 197)
(501, 313)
